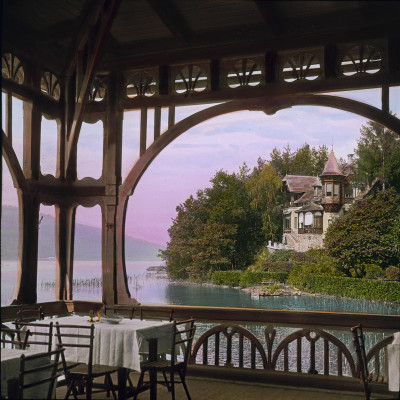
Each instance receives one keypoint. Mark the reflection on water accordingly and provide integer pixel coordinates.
(155, 288)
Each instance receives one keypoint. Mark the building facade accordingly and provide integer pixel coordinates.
(316, 201)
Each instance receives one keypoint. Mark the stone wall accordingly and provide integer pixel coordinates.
(303, 242)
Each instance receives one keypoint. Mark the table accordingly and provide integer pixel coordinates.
(120, 345)
(10, 369)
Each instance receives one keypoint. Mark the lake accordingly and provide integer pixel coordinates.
(155, 288)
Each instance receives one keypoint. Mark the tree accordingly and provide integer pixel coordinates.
(218, 230)
(366, 235)
(303, 161)
(378, 156)
(264, 188)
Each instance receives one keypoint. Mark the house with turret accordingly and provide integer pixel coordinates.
(314, 202)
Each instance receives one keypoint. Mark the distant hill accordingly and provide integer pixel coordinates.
(87, 240)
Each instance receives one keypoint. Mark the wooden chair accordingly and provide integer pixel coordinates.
(14, 337)
(362, 362)
(38, 371)
(182, 340)
(41, 334)
(68, 336)
(30, 314)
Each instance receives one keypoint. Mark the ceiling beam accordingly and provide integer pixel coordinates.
(269, 14)
(172, 19)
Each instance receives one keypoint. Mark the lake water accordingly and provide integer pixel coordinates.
(155, 288)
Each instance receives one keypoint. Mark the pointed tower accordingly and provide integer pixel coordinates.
(332, 185)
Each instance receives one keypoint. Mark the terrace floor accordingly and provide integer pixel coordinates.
(217, 389)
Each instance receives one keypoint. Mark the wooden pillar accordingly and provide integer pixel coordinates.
(65, 234)
(25, 290)
(115, 288)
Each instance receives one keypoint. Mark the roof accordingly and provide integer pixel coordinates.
(331, 166)
(154, 32)
(301, 183)
(307, 197)
(310, 207)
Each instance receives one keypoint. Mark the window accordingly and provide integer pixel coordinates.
(295, 222)
(336, 190)
(287, 223)
(328, 189)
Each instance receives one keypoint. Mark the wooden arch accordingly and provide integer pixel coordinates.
(269, 105)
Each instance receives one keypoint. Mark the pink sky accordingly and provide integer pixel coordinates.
(189, 163)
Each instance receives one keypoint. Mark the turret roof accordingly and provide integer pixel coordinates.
(331, 166)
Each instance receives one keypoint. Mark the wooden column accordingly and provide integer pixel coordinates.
(25, 290)
(115, 288)
(65, 234)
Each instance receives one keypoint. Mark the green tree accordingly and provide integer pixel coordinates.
(366, 234)
(264, 188)
(378, 156)
(303, 161)
(218, 230)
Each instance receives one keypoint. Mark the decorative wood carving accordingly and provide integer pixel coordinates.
(49, 84)
(361, 59)
(11, 68)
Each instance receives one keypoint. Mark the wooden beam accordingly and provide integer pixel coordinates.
(269, 14)
(172, 19)
(104, 25)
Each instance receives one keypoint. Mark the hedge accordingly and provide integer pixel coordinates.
(239, 278)
(360, 288)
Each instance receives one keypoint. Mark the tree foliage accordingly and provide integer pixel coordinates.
(303, 161)
(378, 156)
(366, 234)
(217, 230)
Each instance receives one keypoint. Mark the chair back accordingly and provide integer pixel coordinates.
(38, 375)
(41, 334)
(76, 337)
(359, 347)
(182, 341)
(120, 310)
(30, 314)
(14, 337)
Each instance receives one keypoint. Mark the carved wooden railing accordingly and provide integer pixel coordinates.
(302, 348)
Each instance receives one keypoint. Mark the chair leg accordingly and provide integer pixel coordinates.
(166, 381)
(89, 384)
(182, 376)
(139, 385)
(71, 388)
(172, 383)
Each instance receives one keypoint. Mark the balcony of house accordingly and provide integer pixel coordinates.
(264, 353)
(310, 230)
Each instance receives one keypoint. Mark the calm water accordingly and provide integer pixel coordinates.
(152, 288)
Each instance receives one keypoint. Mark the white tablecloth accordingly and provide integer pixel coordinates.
(393, 351)
(119, 344)
(10, 370)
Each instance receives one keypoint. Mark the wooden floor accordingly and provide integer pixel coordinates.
(216, 389)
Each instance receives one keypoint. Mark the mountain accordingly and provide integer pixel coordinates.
(87, 240)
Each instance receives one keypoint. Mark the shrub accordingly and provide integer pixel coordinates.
(261, 261)
(369, 289)
(392, 273)
(280, 255)
(230, 278)
(373, 271)
(279, 266)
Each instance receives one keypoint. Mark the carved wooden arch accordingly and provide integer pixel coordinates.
(327, 337)
(229, 331)
(270, 105)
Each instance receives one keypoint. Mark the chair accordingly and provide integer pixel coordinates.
(41, 334)
(181, 348)
(14, 337)
(30, 314)
(82, 373)
(359, 347)
(38, 371)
